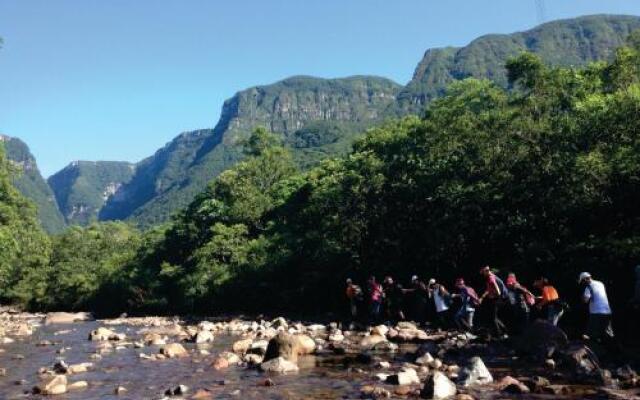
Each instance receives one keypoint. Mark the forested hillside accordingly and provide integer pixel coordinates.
(83, 187)
(31, 184)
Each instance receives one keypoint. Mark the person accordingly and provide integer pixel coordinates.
(393, 300)
(354, 296)
(468, 303)
(441, 299)
(419, 294)
(376, 295)
(520, 298)
(595, 295)
(549, 301)
(491, 298)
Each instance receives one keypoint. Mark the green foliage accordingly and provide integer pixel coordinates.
(31, 185)
(81, 187)
(23, 245)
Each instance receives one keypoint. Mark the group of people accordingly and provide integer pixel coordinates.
(508, 306)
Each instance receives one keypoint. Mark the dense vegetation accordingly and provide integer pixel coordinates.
(31, 184)
(81, 188)
(541, 178)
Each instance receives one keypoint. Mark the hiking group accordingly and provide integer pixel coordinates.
(506, 306)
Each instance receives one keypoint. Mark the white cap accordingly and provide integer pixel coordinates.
(414, 278)
(432, 281)
(584, 276)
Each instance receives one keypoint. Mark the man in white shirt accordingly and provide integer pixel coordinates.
(595, 294)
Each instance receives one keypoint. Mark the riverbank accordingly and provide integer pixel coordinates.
(70, 356)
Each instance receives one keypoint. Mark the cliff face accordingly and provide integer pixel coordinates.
(32, 185)
(168, 180)
(83, 187)
(563, 43)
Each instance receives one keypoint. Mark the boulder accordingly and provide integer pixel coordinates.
(283, 345)
(52, 385)
(541, 340)
(79, 385)
(242, 346)
(374, 392)
(203, 337)
(380, 330)
(408, 376)
(103, 334)
(438, 387)
(582, 360)
(306, 345)
(173, 350)
(154, 339)
(368, 342)
(279, 365)
(511, 385)
(474, 373)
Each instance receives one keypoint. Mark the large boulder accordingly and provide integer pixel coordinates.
(52, 385)
(242, 346)
(279, 365)
(283, 345)
(368, 342)
(203, 337)
(541, 340)
(438, 387)
(474, 373)
(407, 376)
(306, 345)
(173, 350)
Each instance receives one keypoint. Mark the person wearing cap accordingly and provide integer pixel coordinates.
(491, 298)
(441, 298)
(468, 303)
(519, 299)
(549, 301)
(595, 295)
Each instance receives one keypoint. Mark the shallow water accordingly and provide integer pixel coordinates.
(320, 377)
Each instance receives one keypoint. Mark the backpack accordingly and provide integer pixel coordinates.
(504, 291)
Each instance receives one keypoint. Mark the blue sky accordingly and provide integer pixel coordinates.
(116, 79)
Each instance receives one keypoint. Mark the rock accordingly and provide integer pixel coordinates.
(173, 350)
(79, 368)
(179, 390)
(582, 361)
(120, 390)
(231, 358)
(202, 394)
(3, 372)
(66, 318)
(374, 392)
(406, 325)
(52, 385)
(103, 334)
(438, 387)
(380, 330)
(475, 373)
(220, 363)
(252, 359)
(203, 337)
(306, 345)
(368, 342)
(511, 385)
(384, 365)
(536, 384)
(283, 345)
(242, 346)
(464, 397)
(154, 339)
(279, 365)
(541, 339)
(79, 385)
(426, 359)
(22, 330)
(407, 376)
(385, 347)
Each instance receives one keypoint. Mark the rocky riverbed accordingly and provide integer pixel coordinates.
(71, 356)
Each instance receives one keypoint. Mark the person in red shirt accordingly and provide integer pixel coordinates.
(491, 298)
(376, 295)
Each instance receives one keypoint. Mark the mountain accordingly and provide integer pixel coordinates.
(319, 118)
(32, 185)
(83, 187)
(563, 43)
(316, 117)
